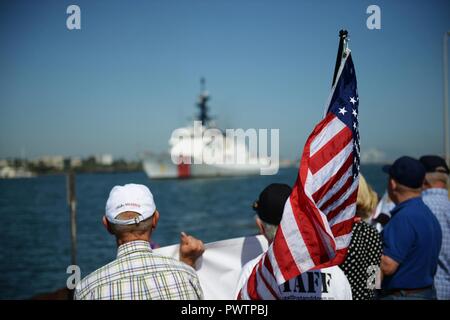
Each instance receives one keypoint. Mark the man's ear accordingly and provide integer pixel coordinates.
(155, 219)
(260, 225)
(106, 224)
(392, 184)
(426, 184)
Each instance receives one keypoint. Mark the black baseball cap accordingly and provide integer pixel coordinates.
(270, 204)
(434, 164)
(407, 171)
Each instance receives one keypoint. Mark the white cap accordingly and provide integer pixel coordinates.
(130, 197)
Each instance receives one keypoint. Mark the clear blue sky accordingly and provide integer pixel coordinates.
(131, 75)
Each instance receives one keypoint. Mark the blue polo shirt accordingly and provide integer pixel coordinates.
(412, 238)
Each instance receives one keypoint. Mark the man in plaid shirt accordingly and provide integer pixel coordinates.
(435, 197)
(138, 273)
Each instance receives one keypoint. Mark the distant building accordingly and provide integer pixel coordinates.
(3, 163)
(104, 159)
(7, 172)
(75, 162)
(56, 162)
(10, 173)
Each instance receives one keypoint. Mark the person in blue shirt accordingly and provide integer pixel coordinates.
(435, 196)
(411, 239)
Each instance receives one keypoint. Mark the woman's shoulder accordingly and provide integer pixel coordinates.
(363, 227)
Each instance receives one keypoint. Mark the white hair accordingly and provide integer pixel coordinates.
(433, 177)
(141, 227)
(269, 230)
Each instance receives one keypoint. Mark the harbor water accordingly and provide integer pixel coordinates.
(35, 231)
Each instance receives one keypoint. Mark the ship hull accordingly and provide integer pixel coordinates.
(163, 168)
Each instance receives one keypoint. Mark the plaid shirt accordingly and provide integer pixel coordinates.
(437, 200)
(139, 274)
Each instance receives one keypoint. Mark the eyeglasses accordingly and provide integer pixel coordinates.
(255, 205)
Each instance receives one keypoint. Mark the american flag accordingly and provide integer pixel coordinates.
(317, 221)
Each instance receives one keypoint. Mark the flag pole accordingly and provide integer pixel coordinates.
(72, 202)
(445, 67)
(342, 40)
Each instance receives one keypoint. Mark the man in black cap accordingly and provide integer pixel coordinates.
(412, 238)
(327, 283)
(435, 196)
(269, 208)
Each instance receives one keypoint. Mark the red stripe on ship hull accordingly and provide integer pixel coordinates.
(184, 170)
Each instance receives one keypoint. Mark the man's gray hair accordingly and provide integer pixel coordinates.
(433, 177)
(139, 228)
(270, 230)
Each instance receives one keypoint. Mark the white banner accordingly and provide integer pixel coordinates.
(220, 266)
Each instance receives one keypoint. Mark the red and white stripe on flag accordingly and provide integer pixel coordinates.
(315, 230)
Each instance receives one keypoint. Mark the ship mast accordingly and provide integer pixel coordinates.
(202, 104)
